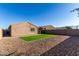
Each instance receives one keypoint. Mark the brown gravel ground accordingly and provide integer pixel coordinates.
(69, 47)
(17, 47)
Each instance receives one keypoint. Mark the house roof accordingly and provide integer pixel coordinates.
(48, 27)
(32, 24)
(22, 23)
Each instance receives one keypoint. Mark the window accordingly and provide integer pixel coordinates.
(32, 29)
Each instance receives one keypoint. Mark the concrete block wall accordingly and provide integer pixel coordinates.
(72, 32)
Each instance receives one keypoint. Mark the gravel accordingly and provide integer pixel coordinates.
(69, 47)
(18, 47)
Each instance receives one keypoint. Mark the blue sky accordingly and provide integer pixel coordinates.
(56, 14)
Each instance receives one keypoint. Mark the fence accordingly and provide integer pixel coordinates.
(74, 32)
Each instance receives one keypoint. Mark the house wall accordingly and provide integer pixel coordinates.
(1, 34)
(23, 29)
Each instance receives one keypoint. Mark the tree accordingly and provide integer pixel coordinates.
(75, 10)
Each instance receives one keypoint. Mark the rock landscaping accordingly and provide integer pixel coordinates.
(18, 47)
(68, 47)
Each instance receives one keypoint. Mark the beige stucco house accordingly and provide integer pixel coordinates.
(24, 28)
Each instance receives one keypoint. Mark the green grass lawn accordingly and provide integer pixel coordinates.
(37, 37)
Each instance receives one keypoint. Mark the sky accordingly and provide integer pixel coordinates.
(40, 14)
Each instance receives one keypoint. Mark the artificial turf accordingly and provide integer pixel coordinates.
(37, 37)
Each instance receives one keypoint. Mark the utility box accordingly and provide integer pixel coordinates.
(1, 34)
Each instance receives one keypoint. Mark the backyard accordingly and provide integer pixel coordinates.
(37, 37)
(41, 44)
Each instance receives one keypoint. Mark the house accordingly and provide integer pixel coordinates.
(24, 28)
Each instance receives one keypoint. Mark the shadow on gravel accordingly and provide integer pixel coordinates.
(69, 47)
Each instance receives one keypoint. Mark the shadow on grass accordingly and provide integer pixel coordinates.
(69, 47)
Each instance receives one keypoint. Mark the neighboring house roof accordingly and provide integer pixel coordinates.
(49, 27)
